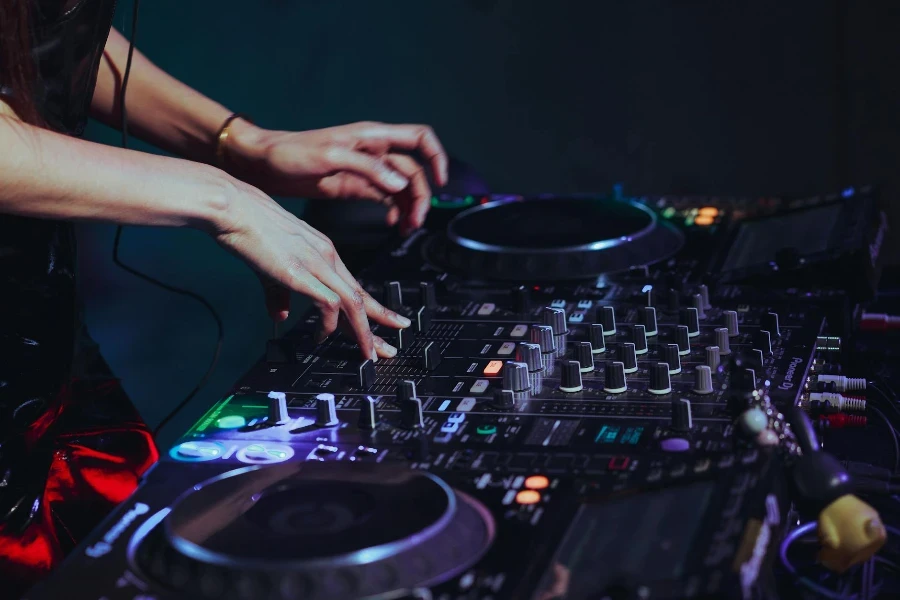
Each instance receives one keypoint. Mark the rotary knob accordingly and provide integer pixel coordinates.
(608, 320)
(723, 341)
(769, 322)
(681, 415)
(515, 377)
(669, 355)
(762, 340)
(368, 414)
(521, 299)
(405, 390)
(278, 412)
(648, 320)
(504, 400)
(703, 380)
(326, 415)
(731, 322)
(556, 319)
(683, 340)
(713, 358)
(570, 377)
(625, 354)
(542, 335)
(639, 337)
(659, 379)
(697, 303)
(598, 341)
(673, 300)
(690, 319)
(584, 354)
(393, 296)
(530, 354)
(614, 376)
(703, 290)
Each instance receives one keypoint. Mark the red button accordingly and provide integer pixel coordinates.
(619, 463)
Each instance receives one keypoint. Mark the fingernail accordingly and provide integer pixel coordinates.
(388, 349)
(396, 180)
(403, 321)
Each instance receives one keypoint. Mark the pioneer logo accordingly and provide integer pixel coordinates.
(105, 545)
(875, 246)
(788, 381)
(403, 250)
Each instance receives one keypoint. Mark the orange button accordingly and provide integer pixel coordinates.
(537, 482)
(528, 497)
(493, 367)
(708, 211)
(704, 220)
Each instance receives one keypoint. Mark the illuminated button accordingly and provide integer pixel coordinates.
(493, 367)
(537, 482)
(585, 304)
(708, 211)
(457, 417)
(231, 422)
(264, 453)
(507, 348)
(480, 386)
(619, 463)
(519, 331)
(450, 427)
(198, 450)
(702, 220)
(486, 309)
(558, 304)
(486, 429)
(576, 317)
(528, 497)
(467, 404)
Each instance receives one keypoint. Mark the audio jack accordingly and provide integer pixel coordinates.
(843, 384)
(839, 401)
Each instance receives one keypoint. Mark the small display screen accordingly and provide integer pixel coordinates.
(634, 538)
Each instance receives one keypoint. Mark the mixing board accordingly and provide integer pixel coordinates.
(587, 405)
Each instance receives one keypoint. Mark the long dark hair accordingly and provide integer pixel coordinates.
(17, 69)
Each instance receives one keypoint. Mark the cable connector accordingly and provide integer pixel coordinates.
(879, 322)
(839, 401)
(843, 384)
(840, 420)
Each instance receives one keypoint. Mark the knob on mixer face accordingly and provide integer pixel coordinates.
(584, 354)
(556, 319)
(681, 415)
(427, 295)
(762, 340)
(723, 341)
(570, 377)
(703, 290)
(659, 379)
(669, 355)
(521, 299)
(515, 377)
(598, 341)
(368, 416)
(530, 354)
(703, 380)
(639, 337)
(648, 319)
(682, 338)
(731, 323)
(769, 322)
(627, 357)
(278, 412)
(697, 303)
(614, 375)
(691, 319)
(542, 335)
(326, 416)
(393, 295)
(608, 320)
(713, 357)
(405, 390)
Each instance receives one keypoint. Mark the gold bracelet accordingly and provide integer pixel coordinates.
(222, 138)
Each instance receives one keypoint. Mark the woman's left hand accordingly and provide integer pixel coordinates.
(370, 161)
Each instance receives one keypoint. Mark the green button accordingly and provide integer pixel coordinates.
(231, 422)
(486, 429)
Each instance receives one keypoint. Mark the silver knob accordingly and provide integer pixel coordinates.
(723, 341)
(530, 354)
(515, 376)
(326, 416)
(731, 322)
(542, 335)
(703, 380)
(556, 319)
(713, 359)
(278, 412)
(697, 302)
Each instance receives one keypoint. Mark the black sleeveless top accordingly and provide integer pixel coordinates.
(39, 321)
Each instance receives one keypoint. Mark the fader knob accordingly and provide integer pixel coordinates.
(769, 322)
(703, 380)
(648, 320)
(584, 354)
(427, 297)
(405, 390)
(669, 355)
(366, 374)
(683, 340)
(731, 322)
(431, 356)
(691, 320)
(639, 337)
(659, 379)
(762, 340)
(697, 302)
(598, 342)
(411, 413)
(393, 295)
(723, 341)
(423, 319)
(542, 335)
(326, 416)
(368, 415)
(278, 412)
(713, 357)
(556, 319)
(614, 377)
(521, 299)
(746, 380)
(625, 354)
(530, 354)
(758, 359)
(515, 377)
(681, 415)
(703, 290)
(608, 320)
(570, 377)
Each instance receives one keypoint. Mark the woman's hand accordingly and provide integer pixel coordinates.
(289, 254)
(371, 161)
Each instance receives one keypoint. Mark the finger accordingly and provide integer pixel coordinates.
(374, 309)
(350, 186)
(326, 300)
(393, 216)
(278, 301)
(373, 168)
(382, 348)
(413, 138)
(353, 307)
(418, 192)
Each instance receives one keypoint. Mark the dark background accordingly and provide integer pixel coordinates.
(761, 97)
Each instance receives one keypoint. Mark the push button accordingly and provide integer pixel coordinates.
(619, 463)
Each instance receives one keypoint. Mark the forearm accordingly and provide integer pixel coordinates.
(161, 110)
(48, 175)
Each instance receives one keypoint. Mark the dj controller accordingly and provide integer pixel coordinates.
(596, 399)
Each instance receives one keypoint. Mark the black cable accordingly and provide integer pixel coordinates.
(170, 288)
(893, 433)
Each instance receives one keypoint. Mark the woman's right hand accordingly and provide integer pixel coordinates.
(287, 252)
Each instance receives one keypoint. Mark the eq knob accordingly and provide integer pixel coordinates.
(731, 323)
(584, 354)
(556, 319)
(703, 380)
(393, 295)
(520, 299)
(366, 374)
(411, 414)
(723, 341)
(570, 377)
(639, 338)
(769, 322)
(703, 290)
(504, 400)
(598, 341)
(683, 340)
(681, 415)
(713, 357)
(278, 412)
(648, 320)
(326, 415)
(542, 335)
(515, 377)
(427, 297)
(405, 390)
(669, 355)
(614, 377)
(625, 354)
(697, 303)
(762, 340)
(659, 379)
(673, 300)
(530, 354)
(691, 319)
(608, 320)
(368, 415)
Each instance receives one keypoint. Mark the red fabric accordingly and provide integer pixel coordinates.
(94, 448)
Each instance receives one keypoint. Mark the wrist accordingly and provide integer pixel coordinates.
(244, 147)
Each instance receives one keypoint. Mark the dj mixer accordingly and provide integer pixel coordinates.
(591, 402)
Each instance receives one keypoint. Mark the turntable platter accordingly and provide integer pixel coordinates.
(315, 530)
